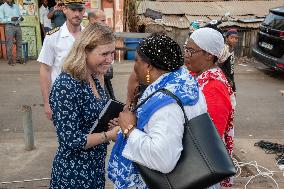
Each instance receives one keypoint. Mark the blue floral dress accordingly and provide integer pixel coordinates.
(75, 109)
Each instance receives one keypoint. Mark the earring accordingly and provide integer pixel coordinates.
(148, 77)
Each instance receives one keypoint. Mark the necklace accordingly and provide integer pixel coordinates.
(94, 89)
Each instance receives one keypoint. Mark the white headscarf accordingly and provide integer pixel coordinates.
(209, 40)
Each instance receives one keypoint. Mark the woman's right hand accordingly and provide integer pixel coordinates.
(48, 111)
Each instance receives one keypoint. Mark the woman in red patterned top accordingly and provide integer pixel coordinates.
(201, 52)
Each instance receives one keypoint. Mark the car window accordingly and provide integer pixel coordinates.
(274, 21)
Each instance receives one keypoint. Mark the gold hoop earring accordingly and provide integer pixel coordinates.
(148, 77)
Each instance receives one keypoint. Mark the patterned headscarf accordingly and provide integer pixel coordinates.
(161, 51)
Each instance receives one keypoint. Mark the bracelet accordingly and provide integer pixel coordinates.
(104, 137)
(126, 131)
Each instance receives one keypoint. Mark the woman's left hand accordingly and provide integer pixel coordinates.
(126, 118)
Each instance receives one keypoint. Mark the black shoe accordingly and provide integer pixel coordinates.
(20, 61)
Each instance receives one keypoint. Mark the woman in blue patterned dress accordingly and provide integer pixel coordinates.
(76, 100)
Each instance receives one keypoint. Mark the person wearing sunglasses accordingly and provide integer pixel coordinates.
(201, 53)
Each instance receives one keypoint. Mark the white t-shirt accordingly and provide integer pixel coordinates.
(44, 20)
(56, 46)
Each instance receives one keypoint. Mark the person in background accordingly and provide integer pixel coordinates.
(97, 16)
(201, 53)
(227, 59)
(57, 44)
(10, 16)
(76, 99)
(195, 25)
(56, 14)
(45, 22)
(152, 136)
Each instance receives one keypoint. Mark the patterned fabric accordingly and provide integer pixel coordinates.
(203, 80)
(75, 109)
(161, 51)
(121, 171)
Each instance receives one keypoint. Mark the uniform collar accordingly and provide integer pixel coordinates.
(65, 32)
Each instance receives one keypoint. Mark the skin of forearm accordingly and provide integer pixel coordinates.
(96, 139)
(45, 82)
(93, 140)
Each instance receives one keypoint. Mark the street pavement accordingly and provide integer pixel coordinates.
(259, 116)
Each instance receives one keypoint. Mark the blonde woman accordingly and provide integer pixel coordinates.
(76, 100)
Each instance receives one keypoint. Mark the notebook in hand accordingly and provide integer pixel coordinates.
(109, 112)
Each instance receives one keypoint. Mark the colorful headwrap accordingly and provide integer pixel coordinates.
(161, 52)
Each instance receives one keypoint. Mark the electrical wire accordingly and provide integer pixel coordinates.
(261, 171)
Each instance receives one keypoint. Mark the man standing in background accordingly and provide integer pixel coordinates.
(97, 16)
(10, 16)
(56, 14)
(56, 47)
(45, 22)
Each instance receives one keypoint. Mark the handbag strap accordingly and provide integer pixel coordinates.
(169, 93)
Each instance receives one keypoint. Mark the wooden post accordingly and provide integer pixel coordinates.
(28, 127)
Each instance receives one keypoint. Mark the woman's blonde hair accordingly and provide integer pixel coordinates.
(92, 36)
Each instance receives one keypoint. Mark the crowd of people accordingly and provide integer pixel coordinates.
(74, 62)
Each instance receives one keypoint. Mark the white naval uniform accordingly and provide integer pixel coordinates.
(56, 46)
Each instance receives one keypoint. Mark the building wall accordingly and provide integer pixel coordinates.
(107, 6)
(247, 37)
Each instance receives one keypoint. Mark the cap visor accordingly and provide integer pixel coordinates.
(76, 6)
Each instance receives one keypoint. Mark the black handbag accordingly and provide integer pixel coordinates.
(204, 160)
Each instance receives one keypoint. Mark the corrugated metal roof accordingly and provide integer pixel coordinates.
(180, 14)
(230, 23)
(183, 22)
(258, 8)
(167, 20)
(254, 25)
(175, 21)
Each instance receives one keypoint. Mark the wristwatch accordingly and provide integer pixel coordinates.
(126, 131)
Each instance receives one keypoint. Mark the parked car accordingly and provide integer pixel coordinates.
(269, 47)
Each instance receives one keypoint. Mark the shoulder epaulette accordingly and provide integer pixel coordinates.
(53, 31)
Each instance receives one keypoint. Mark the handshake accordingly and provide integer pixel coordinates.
(17, 18)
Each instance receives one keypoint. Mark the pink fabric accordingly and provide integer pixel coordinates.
(220, 101)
